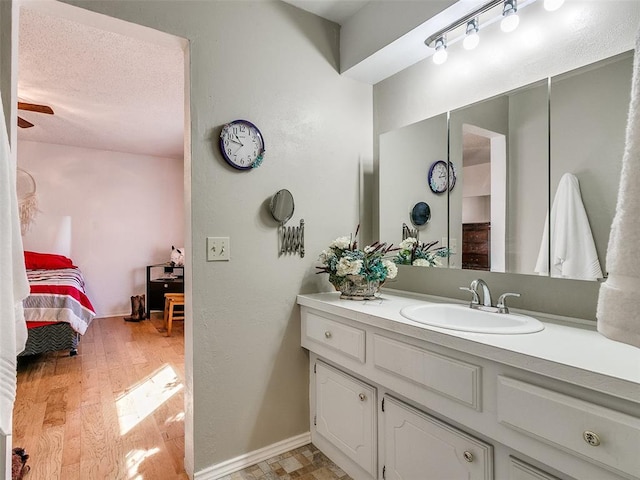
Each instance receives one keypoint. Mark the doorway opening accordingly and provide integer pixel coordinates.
(484, 199)
(80, 81)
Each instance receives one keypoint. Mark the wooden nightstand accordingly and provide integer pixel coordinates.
(161, 279)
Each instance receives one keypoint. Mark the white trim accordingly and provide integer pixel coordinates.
(5, 452)
(246, 460)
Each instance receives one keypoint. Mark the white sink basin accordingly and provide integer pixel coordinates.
(466, 319)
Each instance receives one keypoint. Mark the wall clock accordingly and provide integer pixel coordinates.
(242, 145)
(437, 177)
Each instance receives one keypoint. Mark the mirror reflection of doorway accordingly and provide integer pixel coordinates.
(483, 204)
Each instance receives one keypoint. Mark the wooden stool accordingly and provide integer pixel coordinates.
(172, 300)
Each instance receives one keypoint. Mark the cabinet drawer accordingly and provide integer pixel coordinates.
(339, 337)
(457, 380)
(595, 433)
(519, 470)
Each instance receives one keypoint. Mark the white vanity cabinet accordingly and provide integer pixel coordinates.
(345, 414)
(393, 401)
(419, 446)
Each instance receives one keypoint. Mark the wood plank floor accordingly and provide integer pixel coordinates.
(115, 411)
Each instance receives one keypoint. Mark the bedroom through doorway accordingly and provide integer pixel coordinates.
(111, 166)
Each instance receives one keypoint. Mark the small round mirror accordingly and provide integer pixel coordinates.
(281, 206)
(420, 214)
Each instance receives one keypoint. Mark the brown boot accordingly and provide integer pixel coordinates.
(135, 310)
(143, 310)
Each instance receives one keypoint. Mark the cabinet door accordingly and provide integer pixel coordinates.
(418, 446)
(345, 415)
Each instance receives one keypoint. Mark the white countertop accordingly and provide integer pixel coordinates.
(572, 353)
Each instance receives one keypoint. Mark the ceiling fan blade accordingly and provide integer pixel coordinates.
(22, 123)
(34, 107)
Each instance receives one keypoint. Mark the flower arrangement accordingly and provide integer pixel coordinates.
(344, 261)
(413, 252)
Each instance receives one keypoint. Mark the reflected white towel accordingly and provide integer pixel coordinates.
(573, 251)
(14, 286)
(618, 316)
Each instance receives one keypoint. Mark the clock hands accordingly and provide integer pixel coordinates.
(237, 140)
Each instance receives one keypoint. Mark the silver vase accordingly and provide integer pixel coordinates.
(356, 287)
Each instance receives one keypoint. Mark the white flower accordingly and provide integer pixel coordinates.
(392, 268)
(408, 243)
(421, 262)
(348, 267)
(341, 243)
(325, 256)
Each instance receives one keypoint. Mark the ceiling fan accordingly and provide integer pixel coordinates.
(32, 107)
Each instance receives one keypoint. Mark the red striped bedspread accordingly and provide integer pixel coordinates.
(58, 296)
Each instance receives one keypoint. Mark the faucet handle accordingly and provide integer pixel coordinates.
(502, 307)
(475, 300)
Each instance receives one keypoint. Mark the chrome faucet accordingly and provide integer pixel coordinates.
(486, 305)
(486, 294)
(502, 306)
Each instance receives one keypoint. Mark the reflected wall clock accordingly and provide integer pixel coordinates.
(437, 177)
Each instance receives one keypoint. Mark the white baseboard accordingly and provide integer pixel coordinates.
(246, 460)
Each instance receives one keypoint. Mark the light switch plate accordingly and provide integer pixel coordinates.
(218, 249)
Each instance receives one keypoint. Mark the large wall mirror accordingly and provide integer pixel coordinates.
(518, 158)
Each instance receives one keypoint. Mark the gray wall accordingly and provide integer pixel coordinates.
(528, 174)
(408, 153)
(5, 60)
(249, 374)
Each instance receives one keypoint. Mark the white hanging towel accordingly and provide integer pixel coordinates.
(573, 251)
(618, 315)
(14, 286)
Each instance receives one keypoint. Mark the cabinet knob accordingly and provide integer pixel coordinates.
(327, 334)
(468, 456)
(591, 438)
(362, 397)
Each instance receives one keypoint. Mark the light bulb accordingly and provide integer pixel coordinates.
(472, 38)
(510, 18)
(440, 56)
(471, 41)
(551, 5)
(441, 52)
(510, 22)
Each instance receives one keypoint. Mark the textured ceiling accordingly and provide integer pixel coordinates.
(108, 91)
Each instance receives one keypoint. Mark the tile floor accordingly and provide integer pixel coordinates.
(304, 463)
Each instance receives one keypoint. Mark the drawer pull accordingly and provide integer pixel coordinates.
(591, 438)
(327, 334)
(468, 456)
(362, 397)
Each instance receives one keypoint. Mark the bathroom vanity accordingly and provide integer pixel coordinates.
(391, 398)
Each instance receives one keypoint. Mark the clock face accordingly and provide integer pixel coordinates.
(242, 145)
(438, 176)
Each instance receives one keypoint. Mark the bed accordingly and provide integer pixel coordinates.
(57, 311)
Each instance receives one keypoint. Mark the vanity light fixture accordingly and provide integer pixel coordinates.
(510, 19)
(552, 5)
(468, 26)
(441, 51)
(471, 38)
